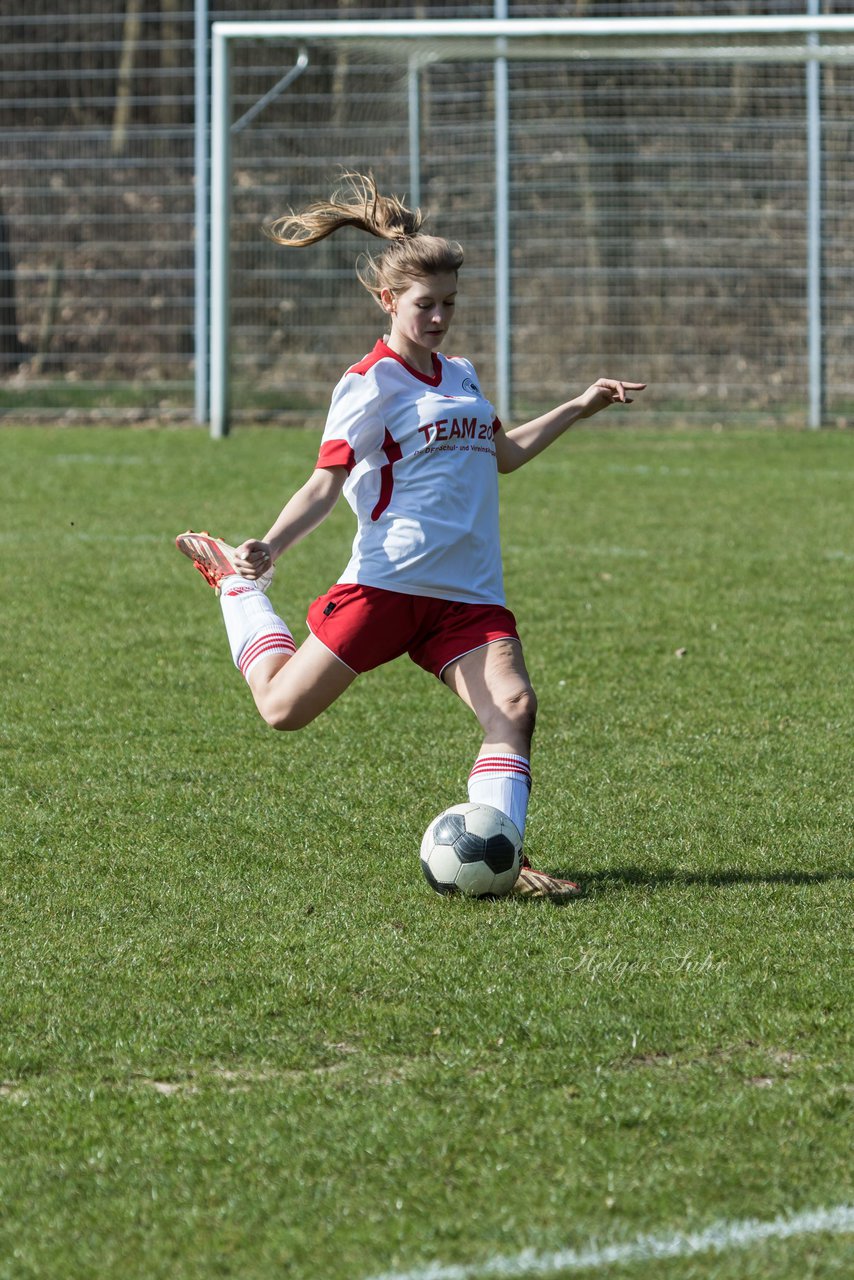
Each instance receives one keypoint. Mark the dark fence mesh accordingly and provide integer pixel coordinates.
(657, 212)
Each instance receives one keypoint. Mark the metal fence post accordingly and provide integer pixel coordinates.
(220, 237)
(202, 174)
(815, 255)
(414, 105)
(503, 344)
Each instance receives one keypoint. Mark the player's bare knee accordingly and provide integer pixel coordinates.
(290, 718)
(522, 710)
(280, 720)
(287, 717)
(517, 711)
(279, 715)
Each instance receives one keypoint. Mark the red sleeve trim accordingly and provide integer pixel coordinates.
(336, 453)
(496, 425)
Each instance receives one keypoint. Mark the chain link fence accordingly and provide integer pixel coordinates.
(658, 215)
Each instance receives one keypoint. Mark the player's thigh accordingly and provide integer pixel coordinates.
(492, 677)
(304, 687)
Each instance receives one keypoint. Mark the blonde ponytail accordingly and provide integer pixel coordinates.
(411, 255)
(358, 204)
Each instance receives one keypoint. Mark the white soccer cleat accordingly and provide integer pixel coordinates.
(214, 559)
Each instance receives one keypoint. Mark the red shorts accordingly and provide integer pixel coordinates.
(367, 626)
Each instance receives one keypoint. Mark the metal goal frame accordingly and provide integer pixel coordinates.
(421, 43)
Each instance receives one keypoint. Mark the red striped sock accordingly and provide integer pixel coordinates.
(262, 646)
(254, 629)
(504, 781)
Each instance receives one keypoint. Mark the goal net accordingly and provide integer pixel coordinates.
(669, 203)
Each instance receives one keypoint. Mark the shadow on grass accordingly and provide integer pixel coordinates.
(619, 878)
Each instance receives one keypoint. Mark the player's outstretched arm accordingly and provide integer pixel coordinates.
(308, 508)
(515, 448)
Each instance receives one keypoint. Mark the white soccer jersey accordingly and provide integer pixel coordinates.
(422, 477)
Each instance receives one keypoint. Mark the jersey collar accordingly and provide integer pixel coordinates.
(382, 349)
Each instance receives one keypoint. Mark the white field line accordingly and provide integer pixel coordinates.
(166, 538)
(717, 1238)
(664, 469)
(570, 548)
(71, 535)
(101, 459)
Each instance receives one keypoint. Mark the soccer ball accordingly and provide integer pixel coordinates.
(471, 849)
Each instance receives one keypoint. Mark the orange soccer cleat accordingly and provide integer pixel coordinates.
(214, 559)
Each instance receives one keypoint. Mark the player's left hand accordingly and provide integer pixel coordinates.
(252, 558)
(605, 392)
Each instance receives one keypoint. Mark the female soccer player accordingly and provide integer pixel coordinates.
(415, 447)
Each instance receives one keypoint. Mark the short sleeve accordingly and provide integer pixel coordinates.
(354, 425)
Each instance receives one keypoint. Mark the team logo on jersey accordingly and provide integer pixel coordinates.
(469, 385)
(456, 429)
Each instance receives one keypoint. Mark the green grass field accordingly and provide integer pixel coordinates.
(240, 1037)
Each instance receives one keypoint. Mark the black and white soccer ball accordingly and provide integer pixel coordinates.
(472, 849)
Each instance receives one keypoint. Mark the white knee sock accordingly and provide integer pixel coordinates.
(504, 781)
(254, 629)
